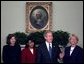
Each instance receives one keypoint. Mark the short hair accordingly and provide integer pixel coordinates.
(73, 35)
(47, 31)
(9, 37)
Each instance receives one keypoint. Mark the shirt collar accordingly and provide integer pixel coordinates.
(47, 43)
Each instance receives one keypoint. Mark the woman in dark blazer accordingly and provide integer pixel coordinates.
(11, 51)
(28, 54)
(73, 53)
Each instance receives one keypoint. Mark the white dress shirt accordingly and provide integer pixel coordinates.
(31, 50)
(71, 50)
(47, 44)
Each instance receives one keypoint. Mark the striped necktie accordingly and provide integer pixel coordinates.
(50, 51)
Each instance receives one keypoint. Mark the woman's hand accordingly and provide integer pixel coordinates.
(61, 55)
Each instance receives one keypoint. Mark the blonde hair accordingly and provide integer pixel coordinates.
(73, 35)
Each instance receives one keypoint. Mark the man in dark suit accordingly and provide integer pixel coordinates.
(48, 52)
(73, 53)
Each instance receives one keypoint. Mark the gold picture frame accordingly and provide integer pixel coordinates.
(38, 16)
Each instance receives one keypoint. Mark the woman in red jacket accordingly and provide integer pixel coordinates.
(28, 54)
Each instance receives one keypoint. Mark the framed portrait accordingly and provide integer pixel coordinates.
(38, 16)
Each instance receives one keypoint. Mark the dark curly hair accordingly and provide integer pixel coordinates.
(28, 42)
(9, 37)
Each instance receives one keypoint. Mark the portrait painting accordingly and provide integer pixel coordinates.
(38, 16)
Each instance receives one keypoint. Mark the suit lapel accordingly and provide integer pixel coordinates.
(73, 51)
(45, 49)
(30, 51)
(53, 48)
(68, 53)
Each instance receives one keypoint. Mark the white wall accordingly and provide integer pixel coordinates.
(67, 16)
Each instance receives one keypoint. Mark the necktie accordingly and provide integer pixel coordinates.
(50, 51)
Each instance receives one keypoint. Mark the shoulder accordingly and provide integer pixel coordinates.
(17, 45)
(54, 45)
(25, 49)
(67, 48)
(41, 46)
(5, 46)
(79, 48)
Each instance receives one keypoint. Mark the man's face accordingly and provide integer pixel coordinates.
(49, 37)
(38, 15)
